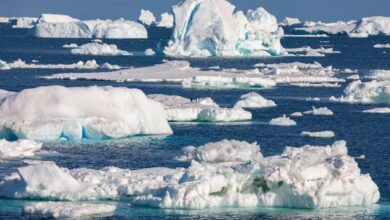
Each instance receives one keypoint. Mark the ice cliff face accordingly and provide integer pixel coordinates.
(211, 28)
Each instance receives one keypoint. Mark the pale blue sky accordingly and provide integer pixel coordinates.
(325, 10)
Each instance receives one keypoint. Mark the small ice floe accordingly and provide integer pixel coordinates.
(4, 65)
(96, 49)
(315, 99)
(382, 46)
(373, 92)
(320, 134)
(384, 110)
(319, 111)
(254, 100)
(380, 75)
(297, 114)
(180, 109)
(221, 174)
(349, 71)
(308, 51)
(67, 209)
(328, 85)
(97, 41)
(19, 148)
(361, 157)
(90, 64)
(283, 121)
(70, 45)
(353, 77)
(149, 52)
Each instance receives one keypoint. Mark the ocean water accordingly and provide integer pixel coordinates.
(366, 134)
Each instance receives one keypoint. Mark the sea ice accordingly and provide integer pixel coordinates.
(319, 111)
(254, 100)
(289, 21)
(382, 75)
(384, 110)
(308, 51)
(149, 52)
(73, 45)
(56, 112)
(19, 148)
(4, 65)
(382, 46)
(296, 114)
(320, 134)
(282, 121)
(90, 64)
(96, 49)
(167, 20)
(147, 18)
(213, 28)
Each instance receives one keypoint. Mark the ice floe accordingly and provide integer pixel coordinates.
(308, 51)
(63, 26)
(149, 52)
(19, 148)
(213, 28)
(167, 20)
(56, 112)
(4, 65)
(254, 100)
(181, 109)
(289, 21)
(384, 110)
(282, 121)
(97, 49)
(67, 209)
(366, 92)
(382, 46)
(221, 174)
(73, 45)
(319, 134)
(147, 18)
(379, 75)
(90, 64)
(296, 114)
(319, 111)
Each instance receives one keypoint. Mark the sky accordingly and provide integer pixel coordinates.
(324, 10)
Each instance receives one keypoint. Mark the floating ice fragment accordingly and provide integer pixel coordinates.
(384, 110)
(20, 148)
(96, 49)
(254, 100)
(282, 121)
(319, 111)
(320, 134)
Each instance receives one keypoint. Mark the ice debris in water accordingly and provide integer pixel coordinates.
(56, 112)
(149, 52)
(147, 18)
(319, 111)
(384, 110)
(380, 75)
(19, 148)
(201, 109)
(4, 65)
(97, 49)
(212, 28)
(221, 174)
(373, 92)
(319, 134)
(382, 46)
(282, 121)
(254, 100)
(296, 114)
(67, 209)
(72, 45)
(90, 64)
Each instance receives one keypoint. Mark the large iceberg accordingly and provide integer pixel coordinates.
(221, 174)
(147, 18)
(63, 26)
(56, 112)
(212, 28)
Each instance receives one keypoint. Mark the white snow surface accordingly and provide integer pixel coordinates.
(56, 112)
(63, 26)
(167, 20)
(19, 148)
(254, 100)
(222, 174)
(282, 121)
(97, 49)
(384, 110)
(206, 28)
(67, 209)
(147, 18)
(372, 92)
(319, 111)
(319, 134)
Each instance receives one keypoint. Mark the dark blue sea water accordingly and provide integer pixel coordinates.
(366, 134)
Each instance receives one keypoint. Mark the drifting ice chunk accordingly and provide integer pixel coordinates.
(320, 134)
(382, 46)
(211, 28)
(90, 64)
(70, 46)
(118, 29)
(97, 49)
(56, 112)
(335, 28)
(282, 121)
(167, 20)
(319, 111)
(20, 148)
(147, 18)
(254, 100)
(4, 65)
(224, 115)
(149, 52)
(383, 75)
(67, 209)
(289, 21)
(297, 114)
(306, 177)
(384, 110)
(366, 92)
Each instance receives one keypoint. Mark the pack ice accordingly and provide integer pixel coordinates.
(56, 112)
(63, 26)
(221, 174)
(211, 28)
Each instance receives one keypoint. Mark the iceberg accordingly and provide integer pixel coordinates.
(23, 22)
(221, 174)
(384, 110)
(319, 111)
(147, 18)
(181, 109)
(296, 114)
(206, 28)
(70, 45)
(19, 148)
(319, 134)
(97, 49)
(289, 21)
(4, 65)
(254, 100)
(63, 26)
(166, 21)
(67, 209)
(372, 92)
(60, 113)
(308, 51)
(282, 121)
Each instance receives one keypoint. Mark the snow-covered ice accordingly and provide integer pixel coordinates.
(149, 52)
(97, 49)
(19, 148)
(319, 134)
(383, 110)
(213, 28)
(67, 209)
(147, 18)
(167, 20)
(319, 111)
(254, 100)
(221, 174)
(56, 112)
(282, 121)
